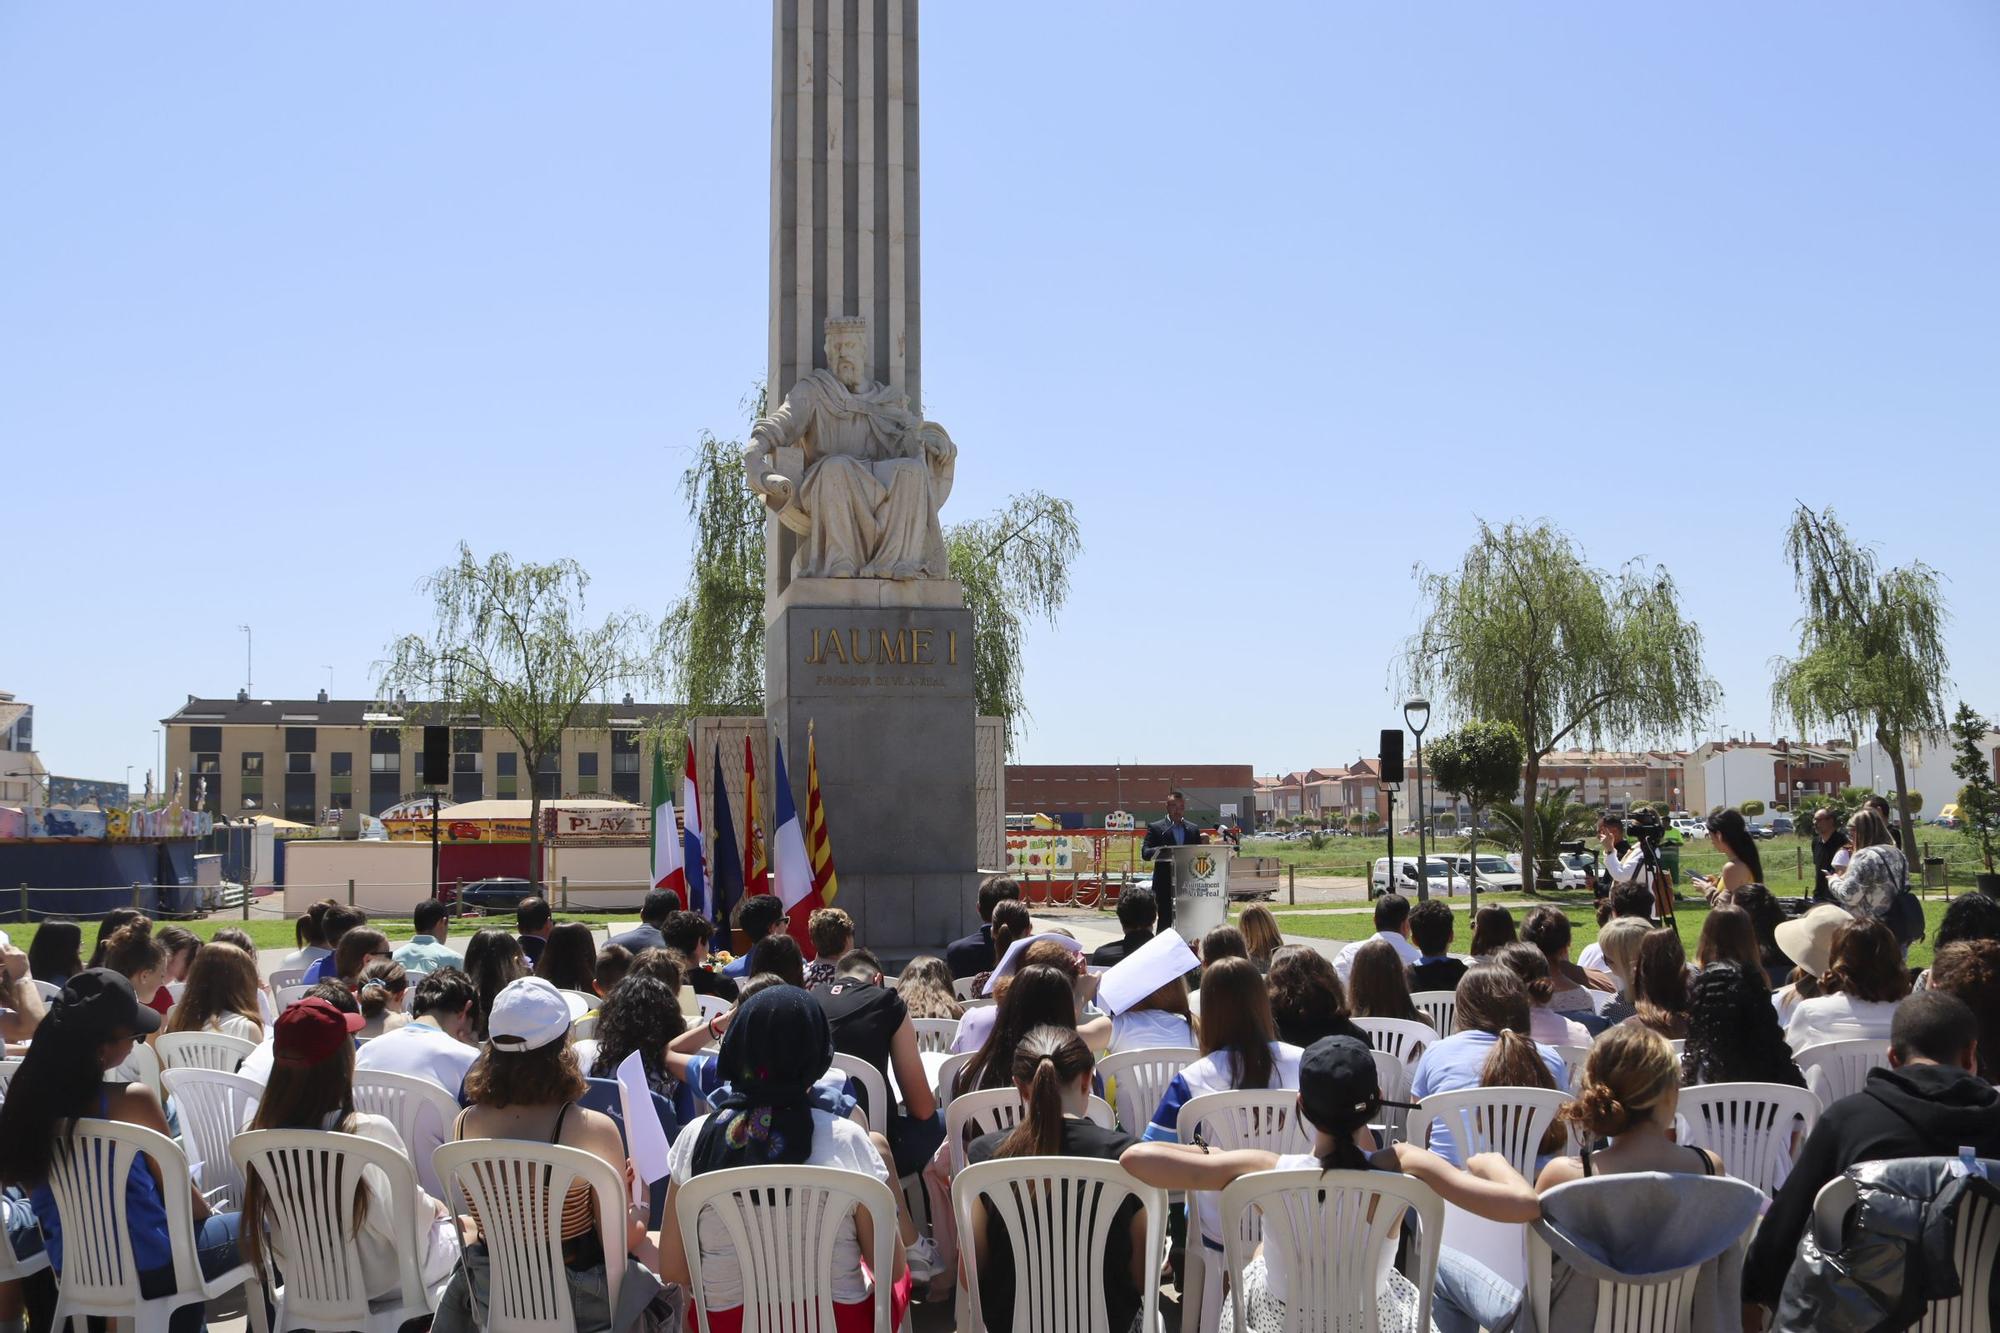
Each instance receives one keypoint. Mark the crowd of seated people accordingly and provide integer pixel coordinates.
(758, 1084)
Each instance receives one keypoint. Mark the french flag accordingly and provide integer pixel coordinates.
(791, 868)
(693, 865)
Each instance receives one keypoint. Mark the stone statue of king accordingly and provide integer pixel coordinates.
(846, 465)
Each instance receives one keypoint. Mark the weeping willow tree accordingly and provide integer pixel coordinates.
(1015, 568)
(1871, 646)
(1525, 631)
(712, 639)
(514, 644)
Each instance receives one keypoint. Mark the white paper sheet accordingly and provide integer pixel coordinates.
(645, 1141)
(1012, 958)
(1144, 970)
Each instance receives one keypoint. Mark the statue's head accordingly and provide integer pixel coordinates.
(847, 349)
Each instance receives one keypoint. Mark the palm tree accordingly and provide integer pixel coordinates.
(1557, 819)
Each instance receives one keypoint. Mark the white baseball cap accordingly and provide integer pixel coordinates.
(527, 1015)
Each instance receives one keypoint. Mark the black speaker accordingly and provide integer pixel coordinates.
(1392, 755)
(437, 756)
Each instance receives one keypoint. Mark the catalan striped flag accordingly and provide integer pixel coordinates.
(756, 858)
(826, 885)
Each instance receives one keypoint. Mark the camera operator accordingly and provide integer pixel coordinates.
(1622, 859)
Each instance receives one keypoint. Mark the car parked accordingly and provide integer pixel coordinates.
(496, 895)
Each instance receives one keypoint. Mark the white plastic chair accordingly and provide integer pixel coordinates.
(310, 1177)
(1057, 1214)
(782, 1222)
(935, 1035)
(1573, 1057)
(1439, 1006)
(711, 1006)
(203, 1050)
(1392, 1080)
(980, 1003)
(579, 1003)
(963, 988)
(1332, 1227)
(871, 1081)
(1139, 1078)
(48, 990)
(422, 1112)
(1755, 1128)
(993, 1109)
(1401, 1037)
(516, 1188)
(8, 1068)
(284, 997)
(287, 976)
(1266, 1118)
(1662, 1303)
(1976, 1254)
(215, 1106)
(87, 1176)
(1836, 1069)
(141, 1066)
(948, 1075)
(1509, 1121)
(584, 1029)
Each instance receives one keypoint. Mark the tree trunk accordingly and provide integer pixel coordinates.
(1907, 844)
(1472, 870)
(1530, 820)
(535, 826)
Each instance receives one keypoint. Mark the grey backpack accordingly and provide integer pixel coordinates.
(1876, 1265)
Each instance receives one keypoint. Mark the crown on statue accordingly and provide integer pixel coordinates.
(837, 325)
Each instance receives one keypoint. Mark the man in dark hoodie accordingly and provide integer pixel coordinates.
(1925, 1104)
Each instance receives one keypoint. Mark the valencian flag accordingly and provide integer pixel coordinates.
(756, 858)
(667, 873)
(726, 884)
(818, 847)
(693, 862)
(790, 868)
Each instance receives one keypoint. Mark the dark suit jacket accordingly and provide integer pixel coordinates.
(1110, 955)
(970, 956)
(1158, 836)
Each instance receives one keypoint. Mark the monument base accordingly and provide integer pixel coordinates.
(887, 691)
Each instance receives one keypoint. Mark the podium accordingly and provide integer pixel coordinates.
(1201, 887)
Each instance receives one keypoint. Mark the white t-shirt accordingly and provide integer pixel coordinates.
(1592, 958)
(1408, 952)
(1278, 1264)
(1141, 1029)
(384, 1235)
(1549, 1028)
(422, 1049)
(838, 1143)
(1838, 1018)
(302, 958)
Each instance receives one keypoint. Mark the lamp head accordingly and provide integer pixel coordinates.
(1417, 712)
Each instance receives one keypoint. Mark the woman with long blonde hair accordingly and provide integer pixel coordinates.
(1260, 934)
(925, 988)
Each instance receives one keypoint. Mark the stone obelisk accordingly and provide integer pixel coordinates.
(881, 666)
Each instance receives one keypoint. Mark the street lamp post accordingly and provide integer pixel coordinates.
(1417, 713)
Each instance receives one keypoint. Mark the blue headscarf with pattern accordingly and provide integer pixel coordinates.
(777, 1047)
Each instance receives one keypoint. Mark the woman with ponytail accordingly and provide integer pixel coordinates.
(1625, 1107)
(1339, 1097)
(1052, 1069)
(1545, 1025)
(1490, 1049)
(382, 993)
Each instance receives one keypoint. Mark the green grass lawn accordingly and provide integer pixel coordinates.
(1787, 859)
(1582, 920)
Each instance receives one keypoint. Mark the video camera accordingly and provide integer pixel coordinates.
(1645, 827)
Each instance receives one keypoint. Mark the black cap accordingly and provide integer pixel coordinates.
(101, 1000)
(1337, 1084)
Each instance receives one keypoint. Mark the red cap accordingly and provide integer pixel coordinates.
(311, 1030)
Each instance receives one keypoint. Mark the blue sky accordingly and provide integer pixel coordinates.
(1283, 296)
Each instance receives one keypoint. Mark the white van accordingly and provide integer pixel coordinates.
(1406, 876)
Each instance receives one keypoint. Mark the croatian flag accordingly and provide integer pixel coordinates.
(694, 864)
(791, 868)
(667, 873)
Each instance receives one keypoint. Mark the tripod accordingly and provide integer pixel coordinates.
(1663, 889)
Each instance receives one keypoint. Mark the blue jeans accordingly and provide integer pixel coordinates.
(1469, 1295)
(216, 1250)
(914, 1142)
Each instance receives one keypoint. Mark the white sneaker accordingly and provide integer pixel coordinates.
(924, 1261)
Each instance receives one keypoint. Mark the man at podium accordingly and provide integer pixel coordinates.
(1173, 831)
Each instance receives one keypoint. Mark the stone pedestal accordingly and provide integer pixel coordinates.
(883, 673)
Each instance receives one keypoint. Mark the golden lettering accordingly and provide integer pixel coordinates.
(854, 641)
(921, 646)
(951, 649)
(812, 654)
(834, 652)
(887, 649)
